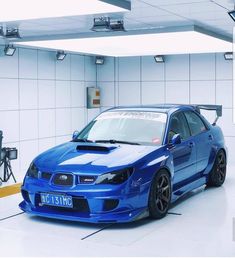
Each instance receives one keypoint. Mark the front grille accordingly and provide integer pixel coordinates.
(79, 205)
(46, 176)
(63, 179)
(87, 179)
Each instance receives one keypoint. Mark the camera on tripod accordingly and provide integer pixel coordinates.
(6, 155)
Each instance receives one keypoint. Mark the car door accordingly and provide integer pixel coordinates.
(203, 139)
(184, 154)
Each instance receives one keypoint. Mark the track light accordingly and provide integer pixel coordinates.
(228, 56)
(60, 55)
(12, 33)
(99, 60)
(9, 50)
(105, 24)
(159, 59)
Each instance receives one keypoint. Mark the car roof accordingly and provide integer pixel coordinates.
(161, 108)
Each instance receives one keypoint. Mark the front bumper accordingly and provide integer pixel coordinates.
(90, 202)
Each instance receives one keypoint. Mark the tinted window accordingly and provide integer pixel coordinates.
(178, 125)
(195, 123)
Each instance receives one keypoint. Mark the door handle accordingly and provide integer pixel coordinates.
(210, 137)
(191, 144)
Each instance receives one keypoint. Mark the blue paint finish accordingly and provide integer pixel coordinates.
(188, 163)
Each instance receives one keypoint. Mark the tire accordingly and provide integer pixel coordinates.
(218, 173)
(160, 195)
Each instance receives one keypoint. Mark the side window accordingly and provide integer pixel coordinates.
(178, 125)
(195, 123)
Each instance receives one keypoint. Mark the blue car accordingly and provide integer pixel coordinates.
(126, 164)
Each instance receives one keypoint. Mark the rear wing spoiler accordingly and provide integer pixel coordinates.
(217, 108)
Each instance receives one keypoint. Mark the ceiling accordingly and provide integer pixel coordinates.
(144, 15)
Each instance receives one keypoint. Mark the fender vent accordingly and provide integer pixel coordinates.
(93, 148)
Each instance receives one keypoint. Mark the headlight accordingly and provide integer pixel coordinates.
(32, 171)
(116, 177)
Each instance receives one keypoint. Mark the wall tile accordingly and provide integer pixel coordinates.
(63, 69)
(77, 67)
(107, 93)
(46, 123)
(177, 67)
(129, 69)
(129, 93)
(9, 65)
(28, 125)
(202, 67)
(46, 94)
(230, 143)
(224, 68)
(63, 139)
(224, 93)
(177, 92)
(226, 122)
(28, 151)
(9, 97)
(153, 92)
(202, 92)
(63, 94)
(46, 144)
(28, 63)
(105, 72)
(78, 119)
(152, 71)
(92, 113)
(63, 121)
(46, 64)
(9, 124)
(77, 94)
(28, 94)
(90, 68)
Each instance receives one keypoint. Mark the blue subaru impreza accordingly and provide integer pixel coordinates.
(128, 163)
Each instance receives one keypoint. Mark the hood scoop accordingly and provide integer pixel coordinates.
(95, 148)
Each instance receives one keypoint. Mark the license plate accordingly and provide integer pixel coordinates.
(57, 200)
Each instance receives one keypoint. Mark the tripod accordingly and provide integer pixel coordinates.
(7, 169)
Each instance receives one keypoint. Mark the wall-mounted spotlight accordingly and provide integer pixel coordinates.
(9, 50)
(12, 33)
(60, 55)
(2, 35)
(159, 59)
(99, 60)
(228, 56)
(232, 14)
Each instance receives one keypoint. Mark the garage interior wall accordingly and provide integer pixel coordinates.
(196, 79)
(42, 101)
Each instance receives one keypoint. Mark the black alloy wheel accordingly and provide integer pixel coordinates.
(160, 195)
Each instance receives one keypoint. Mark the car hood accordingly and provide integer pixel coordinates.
(91, 158)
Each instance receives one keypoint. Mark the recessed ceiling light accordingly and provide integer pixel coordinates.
(29, 9)
(164, 43)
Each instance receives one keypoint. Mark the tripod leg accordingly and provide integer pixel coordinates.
(9, 171)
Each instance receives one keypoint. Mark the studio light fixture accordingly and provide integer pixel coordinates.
(60, 55)
(28, 9)
(190, 40)
(12, 33)
(105, 24)
(228, 56)
(99, 60)
(2, 34)
(159, 59)
(9, 50)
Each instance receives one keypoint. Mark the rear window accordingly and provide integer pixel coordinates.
(196, 124)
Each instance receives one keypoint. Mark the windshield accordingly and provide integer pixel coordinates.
(146, 128)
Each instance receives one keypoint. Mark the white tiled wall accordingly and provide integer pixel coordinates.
(42, 101)
(198, 78)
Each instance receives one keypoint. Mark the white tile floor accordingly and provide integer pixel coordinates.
(205, 228)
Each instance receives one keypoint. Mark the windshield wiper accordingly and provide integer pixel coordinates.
(82, 140)
(117, 141)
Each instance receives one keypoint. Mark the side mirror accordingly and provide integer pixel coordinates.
(176, 139)
(75, 135)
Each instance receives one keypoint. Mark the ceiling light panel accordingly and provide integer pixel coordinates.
(139, 45)
(30, 9)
